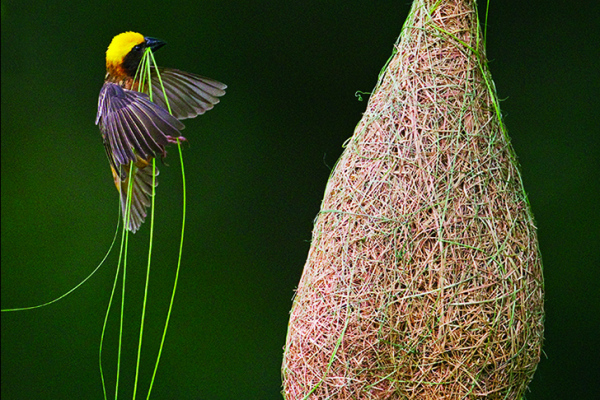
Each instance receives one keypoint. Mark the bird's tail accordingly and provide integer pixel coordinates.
(141, 191)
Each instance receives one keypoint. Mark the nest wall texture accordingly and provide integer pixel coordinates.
(424, 278)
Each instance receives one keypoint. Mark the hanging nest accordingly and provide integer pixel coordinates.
(424, 277)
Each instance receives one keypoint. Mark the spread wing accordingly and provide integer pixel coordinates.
(133, 127)
(134, 130)
(189, 94)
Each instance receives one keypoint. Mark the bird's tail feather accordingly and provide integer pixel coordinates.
(141, 191)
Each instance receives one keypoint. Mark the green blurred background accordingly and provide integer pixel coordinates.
(257, 166)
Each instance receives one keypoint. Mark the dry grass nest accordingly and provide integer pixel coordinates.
(424, 278)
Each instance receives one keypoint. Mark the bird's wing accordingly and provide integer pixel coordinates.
(188, 94)
(133, 127)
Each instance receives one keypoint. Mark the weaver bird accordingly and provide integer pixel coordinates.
(136, 130)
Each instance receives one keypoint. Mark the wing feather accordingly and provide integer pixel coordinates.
(189, 94)
(135, 126)
(134, 130)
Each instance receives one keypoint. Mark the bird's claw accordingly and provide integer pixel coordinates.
(172, 139)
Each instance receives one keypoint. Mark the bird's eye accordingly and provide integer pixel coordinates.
(137, 47)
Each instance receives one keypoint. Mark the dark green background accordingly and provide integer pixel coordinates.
(257, 167)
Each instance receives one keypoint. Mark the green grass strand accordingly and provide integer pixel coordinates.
(162, 341)
(110, 301)
(137, 365)
(79, 284)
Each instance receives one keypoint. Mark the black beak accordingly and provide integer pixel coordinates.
(153, 43)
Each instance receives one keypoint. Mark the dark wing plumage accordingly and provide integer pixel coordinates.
(133, 126)
(189, 94)
(134, 130)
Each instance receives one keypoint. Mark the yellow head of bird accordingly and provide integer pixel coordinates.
(119, 47)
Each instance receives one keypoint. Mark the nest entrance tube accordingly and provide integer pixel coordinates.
(424, 276)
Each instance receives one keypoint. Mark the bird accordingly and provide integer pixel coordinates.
(135, 129)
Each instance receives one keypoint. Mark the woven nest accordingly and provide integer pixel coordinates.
(424, 277)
